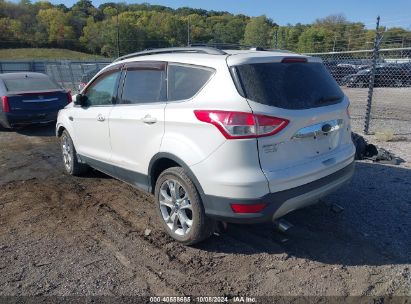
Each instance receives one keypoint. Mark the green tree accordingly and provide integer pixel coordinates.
(258, 32)
(315, 39)
(56, 24)
(395, 37)
(86, 27)
(10, 32)
(226, 28)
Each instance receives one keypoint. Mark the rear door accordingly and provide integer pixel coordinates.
(137, 120)
(305, 94)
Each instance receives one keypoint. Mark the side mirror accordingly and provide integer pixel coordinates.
(80, 100)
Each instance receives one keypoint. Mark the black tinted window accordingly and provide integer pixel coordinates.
(102, 90)
(184, 81)
(27, 84)
(289, 85)
(142, 86)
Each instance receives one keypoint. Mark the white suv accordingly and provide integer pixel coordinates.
(234, 136)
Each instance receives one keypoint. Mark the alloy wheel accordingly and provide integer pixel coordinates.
(175, 207)
(66, 150)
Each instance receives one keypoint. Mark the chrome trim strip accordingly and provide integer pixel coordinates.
(322, 128)
(40, 100)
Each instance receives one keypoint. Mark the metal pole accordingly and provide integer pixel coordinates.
(372, 77)
(70, 67)
(276, 39)
(58, 66)
(188, 32)
(402, 46)
(118, 35)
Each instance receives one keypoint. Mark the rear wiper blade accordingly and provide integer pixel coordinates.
(329, 99)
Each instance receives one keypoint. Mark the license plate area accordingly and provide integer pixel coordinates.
(319, 138)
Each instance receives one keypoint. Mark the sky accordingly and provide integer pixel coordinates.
(393, 12)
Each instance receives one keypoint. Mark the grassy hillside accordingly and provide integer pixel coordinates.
(44, 53)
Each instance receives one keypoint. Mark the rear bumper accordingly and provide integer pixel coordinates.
(10, 120)
(278, 203)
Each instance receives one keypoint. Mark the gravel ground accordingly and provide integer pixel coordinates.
(94, 235)
(391, 110)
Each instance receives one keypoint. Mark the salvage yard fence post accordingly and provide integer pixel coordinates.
(372, 78)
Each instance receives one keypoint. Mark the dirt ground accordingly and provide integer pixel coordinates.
(390, 111)
(61, 235)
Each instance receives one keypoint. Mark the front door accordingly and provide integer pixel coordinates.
(91, 120)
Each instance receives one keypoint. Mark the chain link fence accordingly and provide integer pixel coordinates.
(69, 74)
(380, 94)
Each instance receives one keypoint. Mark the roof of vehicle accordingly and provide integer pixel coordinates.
(213, 59)
(18, 75)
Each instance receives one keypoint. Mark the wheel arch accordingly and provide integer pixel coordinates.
(59, 130)
(162, 161)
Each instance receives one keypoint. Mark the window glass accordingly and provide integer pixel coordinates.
(289, 85)
(184, 81)
(143, 86)
(27, 84)
(103, 90)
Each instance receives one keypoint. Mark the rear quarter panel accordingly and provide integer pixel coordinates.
(185, 136)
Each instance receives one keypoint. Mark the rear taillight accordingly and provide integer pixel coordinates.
(248, 208)
(69, 97)
(5, 104)
(348, 111)
(236, 125)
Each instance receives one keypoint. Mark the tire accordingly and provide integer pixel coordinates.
(69, 154)
(182, 215)
(5, 127)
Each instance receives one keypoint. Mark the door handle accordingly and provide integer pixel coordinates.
(148, 119)
(100, 117)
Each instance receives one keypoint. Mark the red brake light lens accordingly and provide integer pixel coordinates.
(294, 60)
(69, 97)
(5, 104)
(249, 208)
(237, 125)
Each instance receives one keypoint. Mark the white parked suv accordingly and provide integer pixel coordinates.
(234, 136)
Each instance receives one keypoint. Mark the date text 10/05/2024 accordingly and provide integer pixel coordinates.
(200, 299)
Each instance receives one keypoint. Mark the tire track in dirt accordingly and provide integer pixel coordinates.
(100, 225)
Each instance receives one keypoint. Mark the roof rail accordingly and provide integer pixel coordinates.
(258, 48)
(202, 50)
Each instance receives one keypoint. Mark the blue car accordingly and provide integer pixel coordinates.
(30, 98)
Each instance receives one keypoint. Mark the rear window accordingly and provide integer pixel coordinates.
(144, 86)
(289, 85)
(27, 84)
(185, 81)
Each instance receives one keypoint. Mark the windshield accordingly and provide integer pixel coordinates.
(28, 84)
(289, 85)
